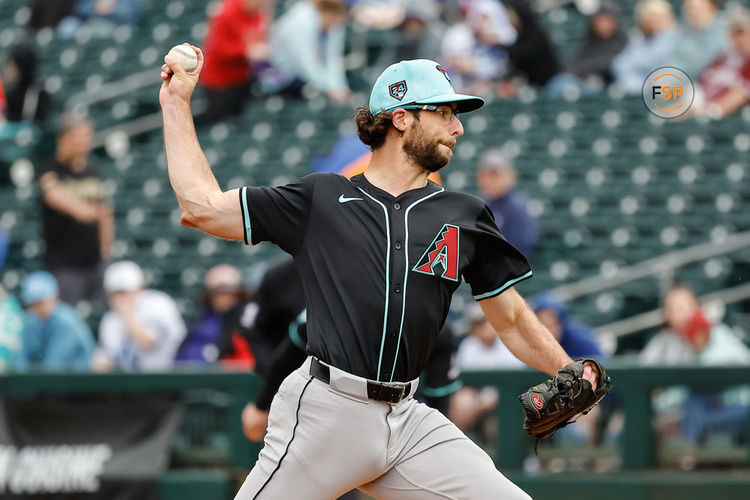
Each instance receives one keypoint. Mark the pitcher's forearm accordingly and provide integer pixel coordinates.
(533, 344)
(523, 333)
(189, 171)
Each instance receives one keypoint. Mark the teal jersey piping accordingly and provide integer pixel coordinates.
(406, 272)
(439, 392)
(294, 335)
(506, 285)
(387, 277)
(246, 217)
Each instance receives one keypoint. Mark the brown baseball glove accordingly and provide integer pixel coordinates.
(553, 404)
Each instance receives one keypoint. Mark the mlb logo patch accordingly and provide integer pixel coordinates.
(397, 90)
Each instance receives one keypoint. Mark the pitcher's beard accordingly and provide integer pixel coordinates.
(423, 152)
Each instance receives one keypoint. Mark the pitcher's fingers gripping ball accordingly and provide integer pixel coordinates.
(182, 59)
(553, 404)
(185, 56)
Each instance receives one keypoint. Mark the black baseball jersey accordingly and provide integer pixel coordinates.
(283, 342)
(378, 271)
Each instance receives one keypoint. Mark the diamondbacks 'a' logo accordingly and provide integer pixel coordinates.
(398, 90)
(442, 254)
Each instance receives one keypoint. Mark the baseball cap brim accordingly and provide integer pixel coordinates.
(465, 103)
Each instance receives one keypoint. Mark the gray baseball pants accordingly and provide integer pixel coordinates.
(326, 439)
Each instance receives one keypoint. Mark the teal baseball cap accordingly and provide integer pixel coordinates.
(419, 81)
(39, 285)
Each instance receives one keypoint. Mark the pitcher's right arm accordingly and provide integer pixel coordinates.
(203, 203)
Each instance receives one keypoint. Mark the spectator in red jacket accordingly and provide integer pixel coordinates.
(237, 42)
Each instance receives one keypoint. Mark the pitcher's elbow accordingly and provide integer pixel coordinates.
(186, 220)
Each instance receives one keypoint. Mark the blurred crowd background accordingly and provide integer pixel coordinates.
(637, 228)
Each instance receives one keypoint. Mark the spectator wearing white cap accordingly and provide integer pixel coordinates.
(143, 328)
(496, 180)
(54, 337)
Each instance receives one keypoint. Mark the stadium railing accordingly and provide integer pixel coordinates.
(662, 268)
(632, 386)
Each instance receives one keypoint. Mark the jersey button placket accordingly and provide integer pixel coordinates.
(398, 266)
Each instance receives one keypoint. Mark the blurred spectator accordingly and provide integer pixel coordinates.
(678, 342)
(26, 99)
(54, 337)
(77, 221)
(4, 246)
(713, 346)
(532, 54)
(235, 49)
(100, 15)
(418, 36)
(725, 84)
(496, 180)
(690, 338)
(646, 50)
(3, 102)
(668, 347)
(11, 315)
(589, 68)
(11, 324)
(474, 50)
(307, 47)
(577, 340)
(49, 13)
(380, 15)
(143, 328)
(700, 39)
(481, 349)
(214, 336)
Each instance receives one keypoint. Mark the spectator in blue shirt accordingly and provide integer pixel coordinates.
(307, 47)
(646, 50)
(496, 180)
(576, 339)
(703, 35)
(54, 337)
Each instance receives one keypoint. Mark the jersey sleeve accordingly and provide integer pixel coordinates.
(277, 214)
(496, 264)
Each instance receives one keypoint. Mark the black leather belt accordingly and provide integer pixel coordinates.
(378, 391)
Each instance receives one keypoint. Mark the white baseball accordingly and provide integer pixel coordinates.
(186, 56)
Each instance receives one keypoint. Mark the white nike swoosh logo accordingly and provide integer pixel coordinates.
(343, 199)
